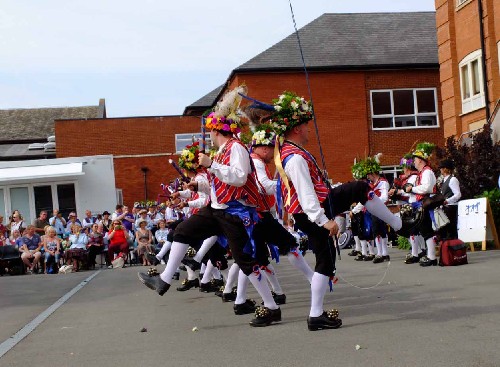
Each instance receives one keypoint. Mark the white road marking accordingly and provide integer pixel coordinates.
(32, 325)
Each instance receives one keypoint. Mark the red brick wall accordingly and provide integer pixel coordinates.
(128, 136)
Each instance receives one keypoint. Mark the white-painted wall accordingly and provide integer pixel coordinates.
(94, 190)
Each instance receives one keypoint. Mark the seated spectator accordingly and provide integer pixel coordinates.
(128, 220)
(41, 222)
(15, 239)
(143, 215)
(52, 246)
(106, 221)
(77, 252)
(89, 220)
(118, 214)
(30, 248)
(4, 235)
(58, 222)
(95, 244)
(144, 239)
(118, 241)
(17, 222)
(72, 220)
(161, 234)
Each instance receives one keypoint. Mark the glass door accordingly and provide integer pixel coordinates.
(2, 208)
(19, 199)
(66, 199)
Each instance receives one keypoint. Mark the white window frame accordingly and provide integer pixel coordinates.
(187, 138)
(394, 171)
(476, 101)
(416, 114)
(119, 196)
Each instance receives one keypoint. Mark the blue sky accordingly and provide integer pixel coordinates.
(146, 57)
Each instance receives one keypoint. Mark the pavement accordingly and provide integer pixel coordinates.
(394, 315)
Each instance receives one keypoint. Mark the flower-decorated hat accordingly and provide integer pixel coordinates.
(366, 166)
(226, 115)
(423, 151)
(189, 157)
(263, 135)
(290, 110)
(406, 161)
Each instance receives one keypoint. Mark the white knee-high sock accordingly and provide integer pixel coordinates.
(207, 275)
(358, 243)
(191, 275)
(241, 291)
(263, 289)
(205, 247)
(364, 247)
(216, 273)
(376, 207)
(378, 243)
(371, 247)
(421, 243)
(414, 246)
(298, 261)
(385, 250)
(431, 248)
(177, 253)
(232, 277)
(319, 285)
(270, 274)
(164, 249)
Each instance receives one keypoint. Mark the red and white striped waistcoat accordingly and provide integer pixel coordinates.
(419, 197)
(316, 177)
(269, 200)
(226, 193)
(195, 195)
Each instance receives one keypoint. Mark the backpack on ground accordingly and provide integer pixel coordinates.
(452, 253)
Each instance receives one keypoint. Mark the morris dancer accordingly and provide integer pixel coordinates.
(234, 196)
(305, 191)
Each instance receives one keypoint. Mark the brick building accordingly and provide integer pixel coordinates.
(374, 80)
(468, 34)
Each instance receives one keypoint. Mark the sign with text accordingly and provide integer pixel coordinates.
(472, 220)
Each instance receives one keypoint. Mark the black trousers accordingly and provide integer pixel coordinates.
(269, 232)
(209, 222)
(339, 201)
(450, 232)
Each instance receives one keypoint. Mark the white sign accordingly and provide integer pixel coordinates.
(472, 220)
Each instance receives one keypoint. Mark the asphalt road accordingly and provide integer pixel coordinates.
(415, 317)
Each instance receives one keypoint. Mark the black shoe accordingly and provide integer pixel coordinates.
(369, 257)
(193, 264)
(328, 320)
(386, 258)
(228, 297)
(152, 259)
(182, 267)
(354, 253)
(280, 299)
(155, 283)
(422, 254)
(220, 291)
(425, 261)
(412, 260)
(176, 276)
(264, 317)
(209, 287)
(188, 284)
(244, 308)
(378, 259)
(360, 257)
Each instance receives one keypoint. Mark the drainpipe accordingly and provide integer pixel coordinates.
(145, 172)
(483, 58)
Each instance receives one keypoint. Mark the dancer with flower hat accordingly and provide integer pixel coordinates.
(424, 188)
(232, 212)
(313, 203)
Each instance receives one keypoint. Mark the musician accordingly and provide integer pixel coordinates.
(425, 186)
(451, 191)
(398, 194)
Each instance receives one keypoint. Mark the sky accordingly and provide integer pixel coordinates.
(148, 57)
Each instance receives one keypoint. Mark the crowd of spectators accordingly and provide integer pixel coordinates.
(51, 242)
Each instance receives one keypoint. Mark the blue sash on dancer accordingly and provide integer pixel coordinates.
(249, 217)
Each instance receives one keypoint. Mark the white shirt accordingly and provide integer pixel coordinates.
(455, 188)
(268, 184)
(298, 173)
(78, 241)
(383, 187)
(427, 183)
(235, 174)
(410, 195)
(87, 222)
(161, 235)
(202, 199)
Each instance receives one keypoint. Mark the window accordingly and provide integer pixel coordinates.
(43, 199)
(390, 173)
(181, 140)
(20, 200)
(119, 196)
(66, 199)
(461, 2)
(404, 108)
(471, 82)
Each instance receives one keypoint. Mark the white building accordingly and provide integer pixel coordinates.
(68, 184)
